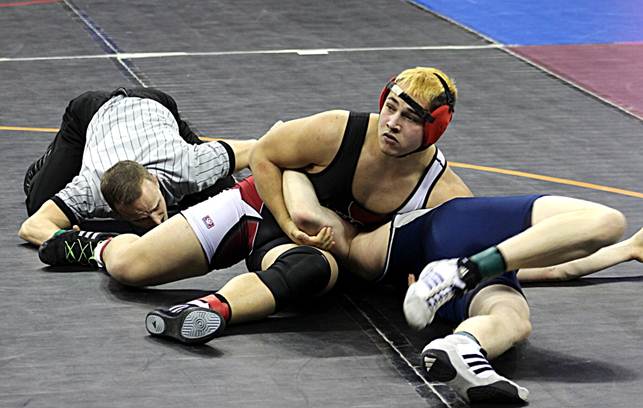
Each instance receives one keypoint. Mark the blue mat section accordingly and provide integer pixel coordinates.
(544, 22)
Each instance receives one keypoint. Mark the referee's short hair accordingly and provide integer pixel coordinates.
(121, 183)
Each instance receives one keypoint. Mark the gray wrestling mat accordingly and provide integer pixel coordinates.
(77, 339)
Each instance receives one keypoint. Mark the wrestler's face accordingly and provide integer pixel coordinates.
(149, 210)
(400, 129)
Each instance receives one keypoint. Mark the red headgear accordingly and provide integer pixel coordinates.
(436, 121)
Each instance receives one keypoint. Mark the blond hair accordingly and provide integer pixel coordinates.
(422, 84)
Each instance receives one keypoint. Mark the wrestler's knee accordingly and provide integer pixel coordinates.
(128, 268)
(299, 274)
(516, 323)
(515, 307)
(523, 329)
(611, 226)
(508, 309)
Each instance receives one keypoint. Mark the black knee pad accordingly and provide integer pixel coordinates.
(296, 275)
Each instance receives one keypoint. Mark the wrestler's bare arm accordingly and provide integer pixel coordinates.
(242, 150)
(308, 143)
(311, 217)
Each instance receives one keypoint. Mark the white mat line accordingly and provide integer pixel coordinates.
(313, 51)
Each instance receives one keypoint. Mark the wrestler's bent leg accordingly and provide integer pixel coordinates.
(499, 318)
(292, 274)
(167, 253)
(563, 229)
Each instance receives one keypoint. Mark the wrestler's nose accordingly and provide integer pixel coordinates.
(393, 122)
(156, 218)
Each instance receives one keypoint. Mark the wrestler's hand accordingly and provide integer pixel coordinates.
(322, 240)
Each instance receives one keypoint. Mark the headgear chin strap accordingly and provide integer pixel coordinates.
(436, 121)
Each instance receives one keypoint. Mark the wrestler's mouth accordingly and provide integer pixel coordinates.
(390, 138)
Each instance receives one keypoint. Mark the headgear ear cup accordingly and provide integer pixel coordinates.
(385, 92)
(442, 116)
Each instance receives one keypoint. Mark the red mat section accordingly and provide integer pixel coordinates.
(612, 71)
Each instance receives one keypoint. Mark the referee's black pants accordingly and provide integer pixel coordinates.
(63, 158)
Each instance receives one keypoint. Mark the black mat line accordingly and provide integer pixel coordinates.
(126, 67)
(398, 350)
(76, 338)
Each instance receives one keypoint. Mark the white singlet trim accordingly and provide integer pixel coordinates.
(212, 219)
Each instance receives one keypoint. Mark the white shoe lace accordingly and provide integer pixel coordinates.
(435, 287)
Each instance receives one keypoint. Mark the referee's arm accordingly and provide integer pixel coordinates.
(43, 224)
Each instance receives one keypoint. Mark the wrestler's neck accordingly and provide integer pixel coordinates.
(404, 162)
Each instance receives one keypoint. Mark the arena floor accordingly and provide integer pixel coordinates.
(550, 101)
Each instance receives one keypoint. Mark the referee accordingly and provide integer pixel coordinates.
(100, 129)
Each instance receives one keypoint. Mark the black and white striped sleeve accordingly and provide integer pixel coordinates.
(201, 167)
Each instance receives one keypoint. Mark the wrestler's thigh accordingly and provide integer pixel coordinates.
(499, 297)
(548, 206)
(171, 252)
(367, 255)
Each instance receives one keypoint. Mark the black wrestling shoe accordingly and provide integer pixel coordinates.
(185, 323)
(71, 248)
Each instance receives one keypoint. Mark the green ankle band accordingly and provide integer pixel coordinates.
(490, 262)
(60, 231)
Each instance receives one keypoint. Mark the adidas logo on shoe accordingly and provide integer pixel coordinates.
(461, 363)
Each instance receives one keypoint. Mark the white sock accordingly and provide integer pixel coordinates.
(98, 250)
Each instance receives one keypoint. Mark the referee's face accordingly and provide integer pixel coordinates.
(149, 210)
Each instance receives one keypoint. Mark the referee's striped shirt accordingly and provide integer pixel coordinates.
(142, 130)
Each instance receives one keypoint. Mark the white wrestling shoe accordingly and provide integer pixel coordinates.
(438, 283)
(461, 363)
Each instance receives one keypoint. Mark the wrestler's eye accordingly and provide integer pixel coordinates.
(411, 117)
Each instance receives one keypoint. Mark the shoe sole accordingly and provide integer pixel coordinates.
(438, 365)
(192, 326)
(500, 391)
(44, 254)
(439, 368)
